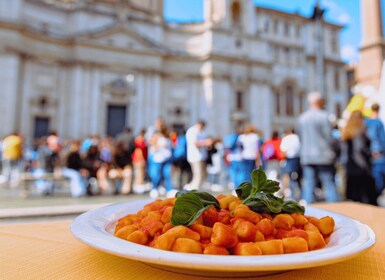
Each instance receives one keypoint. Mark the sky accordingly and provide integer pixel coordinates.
(345, 12)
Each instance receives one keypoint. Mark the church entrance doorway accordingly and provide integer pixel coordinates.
(116, 119)
(41, 127)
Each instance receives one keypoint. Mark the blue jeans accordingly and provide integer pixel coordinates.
(236, 172)
(78, 183)
(378, 172)
(248, 167)
(324, 173)
(159, 171)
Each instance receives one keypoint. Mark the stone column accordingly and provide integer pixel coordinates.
(95, 102)
(139, 104)
(9, 65)
(155, 97)
(260, 111)
(75, 104)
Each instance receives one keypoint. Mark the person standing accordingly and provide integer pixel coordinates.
(355, 155)
(317, 154)
(54, 145)
(75, 171)
(12, 152)
(197, 144)
(249, 141)
(139, 158)
(160, 169)
(272, 156)
(376, 134)
(182, 169)
(233, 154)
(291, 170)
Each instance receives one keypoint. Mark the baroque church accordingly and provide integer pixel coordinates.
(83, 67)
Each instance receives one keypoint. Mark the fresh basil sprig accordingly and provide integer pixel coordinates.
(189, 205)
(259, 195)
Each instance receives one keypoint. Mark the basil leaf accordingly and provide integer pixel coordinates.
(274, 205)
(292, 207)
(270, 186)
(205, 197)
(189, 205)
(244, 190)
(258, 179)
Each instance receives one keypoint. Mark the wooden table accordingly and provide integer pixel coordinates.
(49, 251)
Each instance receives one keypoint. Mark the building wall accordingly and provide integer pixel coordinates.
(70, 65)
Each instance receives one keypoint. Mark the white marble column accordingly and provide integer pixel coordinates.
(25, 95)
(62, 102)
(95, 94)
(260, 108)
(156, 96)
(194, 105)
(9, 65)
(75, 104)
(139, 104)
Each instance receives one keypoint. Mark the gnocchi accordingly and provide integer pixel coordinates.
(232, 230)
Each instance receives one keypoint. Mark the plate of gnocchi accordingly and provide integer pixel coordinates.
(223, 236)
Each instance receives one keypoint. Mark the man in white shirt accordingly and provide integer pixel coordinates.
(197, 143)
(291, 170)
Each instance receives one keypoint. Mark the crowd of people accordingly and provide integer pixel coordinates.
(306, 159)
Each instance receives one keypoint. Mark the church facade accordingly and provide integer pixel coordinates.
(94, 67)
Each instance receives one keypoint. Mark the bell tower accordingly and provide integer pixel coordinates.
(373, 45)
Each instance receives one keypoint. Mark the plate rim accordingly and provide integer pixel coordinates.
(213, 262)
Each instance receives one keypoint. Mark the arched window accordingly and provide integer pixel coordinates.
(289, 100)
(236, 12)
(239, 100)
(301, 103)
(277, 97)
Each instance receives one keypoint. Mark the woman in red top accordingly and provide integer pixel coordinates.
(272, 155)
(139, 158)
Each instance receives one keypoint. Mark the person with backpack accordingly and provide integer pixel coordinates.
(272, 155)
(249, 141)
(233, 154)
(291, 169)
(182, 169)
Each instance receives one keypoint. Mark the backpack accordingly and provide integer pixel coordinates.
(230, 141)
(268, 151)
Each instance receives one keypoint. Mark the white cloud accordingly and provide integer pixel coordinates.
(349, 53)
(336, 12)
(344, 18)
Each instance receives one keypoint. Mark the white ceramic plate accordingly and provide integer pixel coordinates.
(96, 227)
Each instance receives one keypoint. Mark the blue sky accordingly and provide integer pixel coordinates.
(346, 12)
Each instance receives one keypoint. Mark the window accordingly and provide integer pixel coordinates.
(236, 12)
(298, 31)
(267, 25)
(274, 52)
(238, 43)
(275, 26)
(336, 80)
(301, 101)
(289, 101)
(286, 56)
(277, 103)
(338, 110)
(239, 102)
(334, 43)
(287, 29)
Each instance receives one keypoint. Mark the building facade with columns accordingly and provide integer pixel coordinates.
(94, 67)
